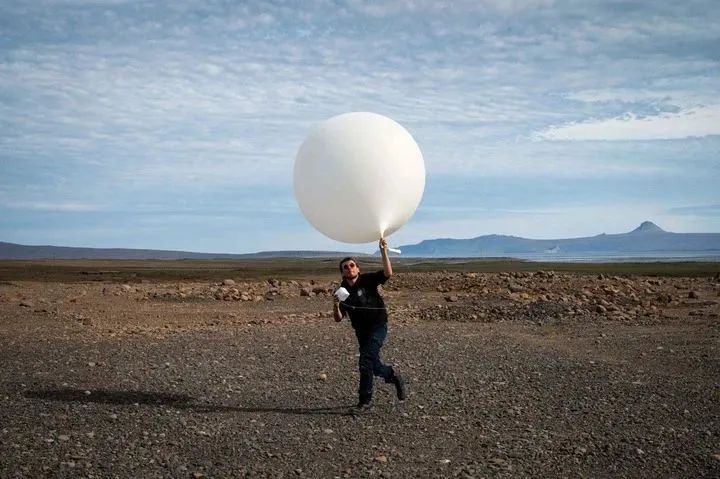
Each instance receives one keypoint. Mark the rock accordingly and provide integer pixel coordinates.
(515, 288)
(305, 292)
(26, 304)
(381, 459)
(228, 282)
(322, 377)
(451, 298)
(693, 295)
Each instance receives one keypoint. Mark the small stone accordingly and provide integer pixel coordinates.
(228, 282)
(322, 377)
(515, 288)
(64, 437)
(381, 459)
(693, 295)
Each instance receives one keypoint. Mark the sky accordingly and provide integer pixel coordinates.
(175, 125)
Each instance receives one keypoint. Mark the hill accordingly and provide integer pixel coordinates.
(646, 239)
(21, 252)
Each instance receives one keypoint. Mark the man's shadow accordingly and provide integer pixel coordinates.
(175, 401)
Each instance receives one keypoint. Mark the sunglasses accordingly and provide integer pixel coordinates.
(349, 265)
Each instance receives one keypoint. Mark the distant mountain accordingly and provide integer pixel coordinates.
(646, 239)
(20, 252)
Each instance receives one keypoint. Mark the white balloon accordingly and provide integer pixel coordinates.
(359, 177)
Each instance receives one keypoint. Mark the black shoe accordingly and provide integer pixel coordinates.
(400, 387)
(361, 408)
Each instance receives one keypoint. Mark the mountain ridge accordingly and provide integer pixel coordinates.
(14, 251)
(646, 238)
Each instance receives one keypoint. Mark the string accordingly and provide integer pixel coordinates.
(359, 307)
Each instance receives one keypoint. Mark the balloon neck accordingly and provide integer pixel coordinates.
(383, 229)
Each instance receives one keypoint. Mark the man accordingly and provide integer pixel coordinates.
(368, 317)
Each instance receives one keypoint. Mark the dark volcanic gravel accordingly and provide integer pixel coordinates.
(262, 388)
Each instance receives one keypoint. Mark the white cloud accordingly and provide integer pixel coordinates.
(689, 123)
(47, 206)
(394, 7)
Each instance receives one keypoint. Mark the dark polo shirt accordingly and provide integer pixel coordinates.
(365, 306)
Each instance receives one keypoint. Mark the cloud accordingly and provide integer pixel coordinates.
(395, 7)
(57, 207)
(697, 210)
(690, 123)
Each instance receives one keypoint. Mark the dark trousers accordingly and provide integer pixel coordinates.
(370, 340)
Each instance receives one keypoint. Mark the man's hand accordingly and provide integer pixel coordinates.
(337, 314)
(387, 267)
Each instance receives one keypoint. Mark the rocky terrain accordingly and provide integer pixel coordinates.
(511, 374)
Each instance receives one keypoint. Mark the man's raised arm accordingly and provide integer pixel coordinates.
(387, 267)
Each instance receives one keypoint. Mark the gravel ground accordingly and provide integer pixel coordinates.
(506, 379)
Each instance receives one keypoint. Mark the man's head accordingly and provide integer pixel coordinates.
(349, 268)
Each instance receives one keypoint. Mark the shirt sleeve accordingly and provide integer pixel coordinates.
(378, 277)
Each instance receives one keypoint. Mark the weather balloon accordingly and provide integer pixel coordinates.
(358, 177)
